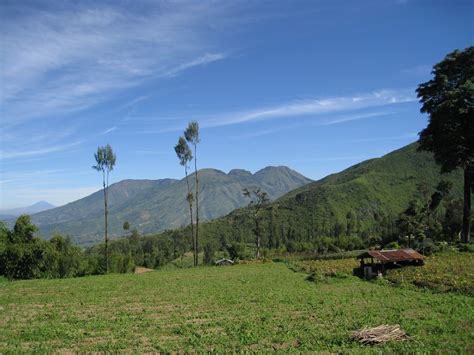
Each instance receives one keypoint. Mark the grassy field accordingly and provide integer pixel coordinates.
(245, 307)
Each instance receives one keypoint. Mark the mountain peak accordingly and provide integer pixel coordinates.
(239, 172)
(154, 205)
(34, 208)
(43, 204)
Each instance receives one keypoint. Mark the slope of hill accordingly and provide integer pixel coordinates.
(363, 200)
(156, 205)
(34, 208)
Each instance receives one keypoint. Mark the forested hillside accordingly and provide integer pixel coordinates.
(346, 208)
(152, 206)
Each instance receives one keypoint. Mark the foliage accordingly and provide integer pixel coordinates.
(261, 307)
(258, 200)
(448, 98)
(422, 218)
(191, 135)
(357, 208)
(185, 155)
(23, 256)
(209, 253)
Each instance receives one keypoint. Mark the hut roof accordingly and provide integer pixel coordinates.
(388, 256)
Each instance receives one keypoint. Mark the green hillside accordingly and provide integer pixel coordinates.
(362, 201)
(155, 205)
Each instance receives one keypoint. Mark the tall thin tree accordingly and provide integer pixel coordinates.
(258, 200)
(105, 162)
(192, 136)
(185, 156)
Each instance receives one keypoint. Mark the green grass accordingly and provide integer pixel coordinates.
(254, 307)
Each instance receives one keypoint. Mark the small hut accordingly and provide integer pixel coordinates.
(224, 262)
(375, 262)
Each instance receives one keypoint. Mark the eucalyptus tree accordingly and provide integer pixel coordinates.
(448, 98)
(185, 155)
(192, 136)
(258, 200)
(105, 162)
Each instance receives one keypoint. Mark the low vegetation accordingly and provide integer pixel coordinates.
(320, 269)
(447, 272)
(443, 272)
(254, 307)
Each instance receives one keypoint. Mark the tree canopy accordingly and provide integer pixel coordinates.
(448, 98)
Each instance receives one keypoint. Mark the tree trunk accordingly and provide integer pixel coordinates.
(466, 220)
(105, 228)
(190, 202)
(197, 205)
(257, 230)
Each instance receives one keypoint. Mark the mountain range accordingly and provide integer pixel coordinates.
(34, 208)
(155, 205)
(362, 200)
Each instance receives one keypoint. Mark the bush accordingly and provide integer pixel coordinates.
(237, 251)
(392, 245)
(466, 247)
(209, 251)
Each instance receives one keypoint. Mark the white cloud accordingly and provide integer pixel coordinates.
(109, 130)
(67, 60)
(40, 151)
(324, 112)
(203, 60)
(355, 117)
(316, 107)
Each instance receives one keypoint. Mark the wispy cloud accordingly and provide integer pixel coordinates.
(317, 107)
(78, 56)
(203, 60)
(4, 155)
(326, 111)
(354, 117)
(108, 130)
(133, 102)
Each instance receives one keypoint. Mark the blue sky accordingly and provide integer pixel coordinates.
(314, 85)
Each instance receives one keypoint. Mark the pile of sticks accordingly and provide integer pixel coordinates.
(380, 334)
